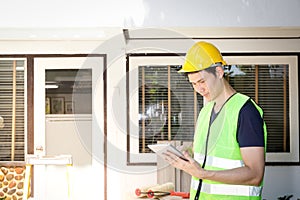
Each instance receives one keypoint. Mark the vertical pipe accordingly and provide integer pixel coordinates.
(13, 121)
(169, 103)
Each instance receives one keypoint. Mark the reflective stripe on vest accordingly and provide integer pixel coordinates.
(218, 162)
(224, 189)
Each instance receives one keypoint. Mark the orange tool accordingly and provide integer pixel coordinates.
(152, 194)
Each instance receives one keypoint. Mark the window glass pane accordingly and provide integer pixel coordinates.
(12, 134)
(268, 85)
(161, 88)
(62, 85)
(274, 98)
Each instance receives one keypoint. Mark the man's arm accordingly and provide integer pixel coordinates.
(250, 174)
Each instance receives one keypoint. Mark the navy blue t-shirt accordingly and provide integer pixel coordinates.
(250, 130)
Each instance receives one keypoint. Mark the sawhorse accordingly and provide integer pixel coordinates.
(45, 160)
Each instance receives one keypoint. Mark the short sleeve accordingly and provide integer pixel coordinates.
(250, 130)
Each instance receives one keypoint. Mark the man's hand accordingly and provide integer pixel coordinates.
(187, 164)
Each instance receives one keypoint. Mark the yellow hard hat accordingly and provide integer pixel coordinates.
(200, 56)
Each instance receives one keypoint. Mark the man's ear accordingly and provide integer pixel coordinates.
(220, 72)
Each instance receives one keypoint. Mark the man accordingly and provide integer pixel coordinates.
(230, 136)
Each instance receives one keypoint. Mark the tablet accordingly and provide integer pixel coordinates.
(160, 149)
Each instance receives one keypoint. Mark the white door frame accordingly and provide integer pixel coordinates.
(97, 65)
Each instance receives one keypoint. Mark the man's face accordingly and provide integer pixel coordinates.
(204, 83)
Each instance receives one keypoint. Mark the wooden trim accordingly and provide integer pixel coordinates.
(195, 107)
(216, 38)
(256, 84)
(284, 108)
(128, 112)
(105, 122)
(153, 54)
(12, 163)
(169, 103)
(13, 120)
(30, 105)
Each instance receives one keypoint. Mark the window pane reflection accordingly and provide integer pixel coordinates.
(68, 91)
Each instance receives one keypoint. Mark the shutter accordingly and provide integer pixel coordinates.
(12, 110)
(268, 85)
(168, 106)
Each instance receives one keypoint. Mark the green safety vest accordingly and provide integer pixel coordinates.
(223, 151)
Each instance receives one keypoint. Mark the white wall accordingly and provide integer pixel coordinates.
(279, 180)
(78, 27)
(123, 179)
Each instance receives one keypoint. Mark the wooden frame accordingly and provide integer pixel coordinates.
(57, 105)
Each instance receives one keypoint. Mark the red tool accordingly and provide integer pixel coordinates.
(138, 192)
(152, 194)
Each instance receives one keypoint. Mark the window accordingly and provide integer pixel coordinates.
(12, 134)
(168, 106)
(63, 85)
(155, 86)
(273, 83)
(162, 104)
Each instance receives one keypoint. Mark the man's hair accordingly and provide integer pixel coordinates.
(211, 70)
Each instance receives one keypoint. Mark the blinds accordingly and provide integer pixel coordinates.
(168, 106)
(162, 87)
(12, 110)
(268, 85)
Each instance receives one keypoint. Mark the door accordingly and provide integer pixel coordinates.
(69, 121)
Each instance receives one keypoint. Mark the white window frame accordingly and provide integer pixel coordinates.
(134, 157)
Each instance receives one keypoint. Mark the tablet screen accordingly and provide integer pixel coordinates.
(160, 149)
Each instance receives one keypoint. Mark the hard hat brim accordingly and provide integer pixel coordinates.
(193, 69)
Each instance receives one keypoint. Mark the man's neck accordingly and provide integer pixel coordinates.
(221, 100)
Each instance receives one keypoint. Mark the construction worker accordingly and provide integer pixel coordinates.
(230, 135)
